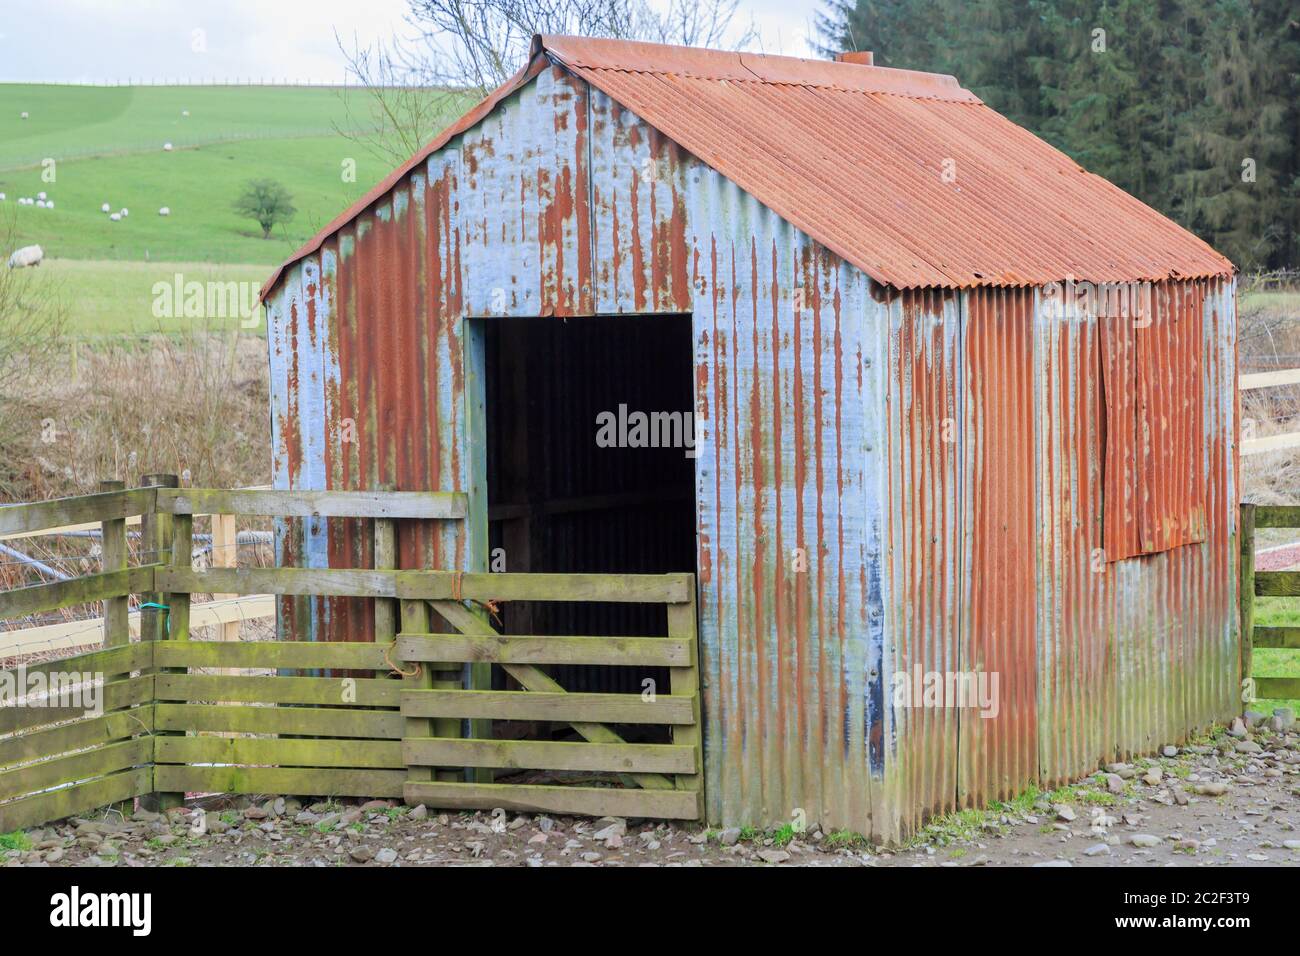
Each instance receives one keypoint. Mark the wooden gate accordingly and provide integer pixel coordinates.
(407, 716)
(1255, 584)
(661, 780)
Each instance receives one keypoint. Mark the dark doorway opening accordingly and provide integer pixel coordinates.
(562, 499)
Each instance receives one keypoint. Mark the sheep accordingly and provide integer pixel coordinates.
(40, 195)
(104, 208)
(40, 204)
(167, 147)
(24, 114)
(49, 204)
(2, 197)
(26, 256)
(124, 212)
(116, 217)
(164, 211)
(185, 112)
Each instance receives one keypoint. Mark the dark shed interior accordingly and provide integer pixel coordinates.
(558, 500)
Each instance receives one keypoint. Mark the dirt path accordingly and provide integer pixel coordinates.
(1227, 801)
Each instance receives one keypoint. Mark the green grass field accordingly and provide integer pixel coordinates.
(67, 122)
(198, 186)
(114, 298)
(107, 146)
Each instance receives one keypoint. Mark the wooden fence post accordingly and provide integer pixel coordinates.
(1246, 595)
(114, 555)
(225, 554)
(385, 559)
(155, 548)
(415, 620)
(685, 682)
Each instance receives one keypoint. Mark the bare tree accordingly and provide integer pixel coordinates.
(457, 51)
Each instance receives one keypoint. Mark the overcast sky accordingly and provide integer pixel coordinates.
(116, 40)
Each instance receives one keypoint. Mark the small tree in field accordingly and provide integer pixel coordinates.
(266, 201)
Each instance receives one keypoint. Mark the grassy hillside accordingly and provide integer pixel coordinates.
(107, 143)
(108, 146)
(67, 122)
(198, 186)
(121, 298)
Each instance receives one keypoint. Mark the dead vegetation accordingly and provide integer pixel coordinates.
(1268, 340)
(194, 405)
(81, 411)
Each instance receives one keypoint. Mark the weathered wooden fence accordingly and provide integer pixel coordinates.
(1255, 584)
(409, 716)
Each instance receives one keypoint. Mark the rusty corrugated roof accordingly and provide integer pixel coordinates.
(905, 174)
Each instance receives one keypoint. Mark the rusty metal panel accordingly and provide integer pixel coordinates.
(999, 744)
(1170, 391)
(922, 507)
(300, 355)
(368, 391)
(788, 495)
(639, 192)
(1142, 651)
(524, 204)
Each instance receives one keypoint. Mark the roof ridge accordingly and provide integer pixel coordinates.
(839, 88)
(630, 56)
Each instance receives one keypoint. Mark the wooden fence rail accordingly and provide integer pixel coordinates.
(408, 716)
(1271, 379)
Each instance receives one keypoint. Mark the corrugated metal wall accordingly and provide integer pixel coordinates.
(1139, 652)
(925, 466)
(786, 365)
(995, 513)
(923, 545)
(788, 370)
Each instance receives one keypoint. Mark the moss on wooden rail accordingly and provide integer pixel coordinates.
(327, 782)
(114, 695)
(80, 509)
(334, 582)
(49, 741)
(79, 798)
(42, 598)
(111, 661)
(299, 721)
(585, 801)
(1277, 516)
(323, 691)
(510, 649)
(430, 585)
(97, 762)
(542, 705)
(1277, 688)
(427, 505)
(285, 655)
(511, 586)
(549, 755)
(1286, 637)
(280, 752)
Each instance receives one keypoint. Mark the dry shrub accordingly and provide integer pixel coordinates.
(193, 405)
(1269, 338)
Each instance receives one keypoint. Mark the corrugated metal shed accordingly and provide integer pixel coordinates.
(886, 391)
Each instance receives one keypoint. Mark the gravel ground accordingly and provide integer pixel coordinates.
(1229, 800)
